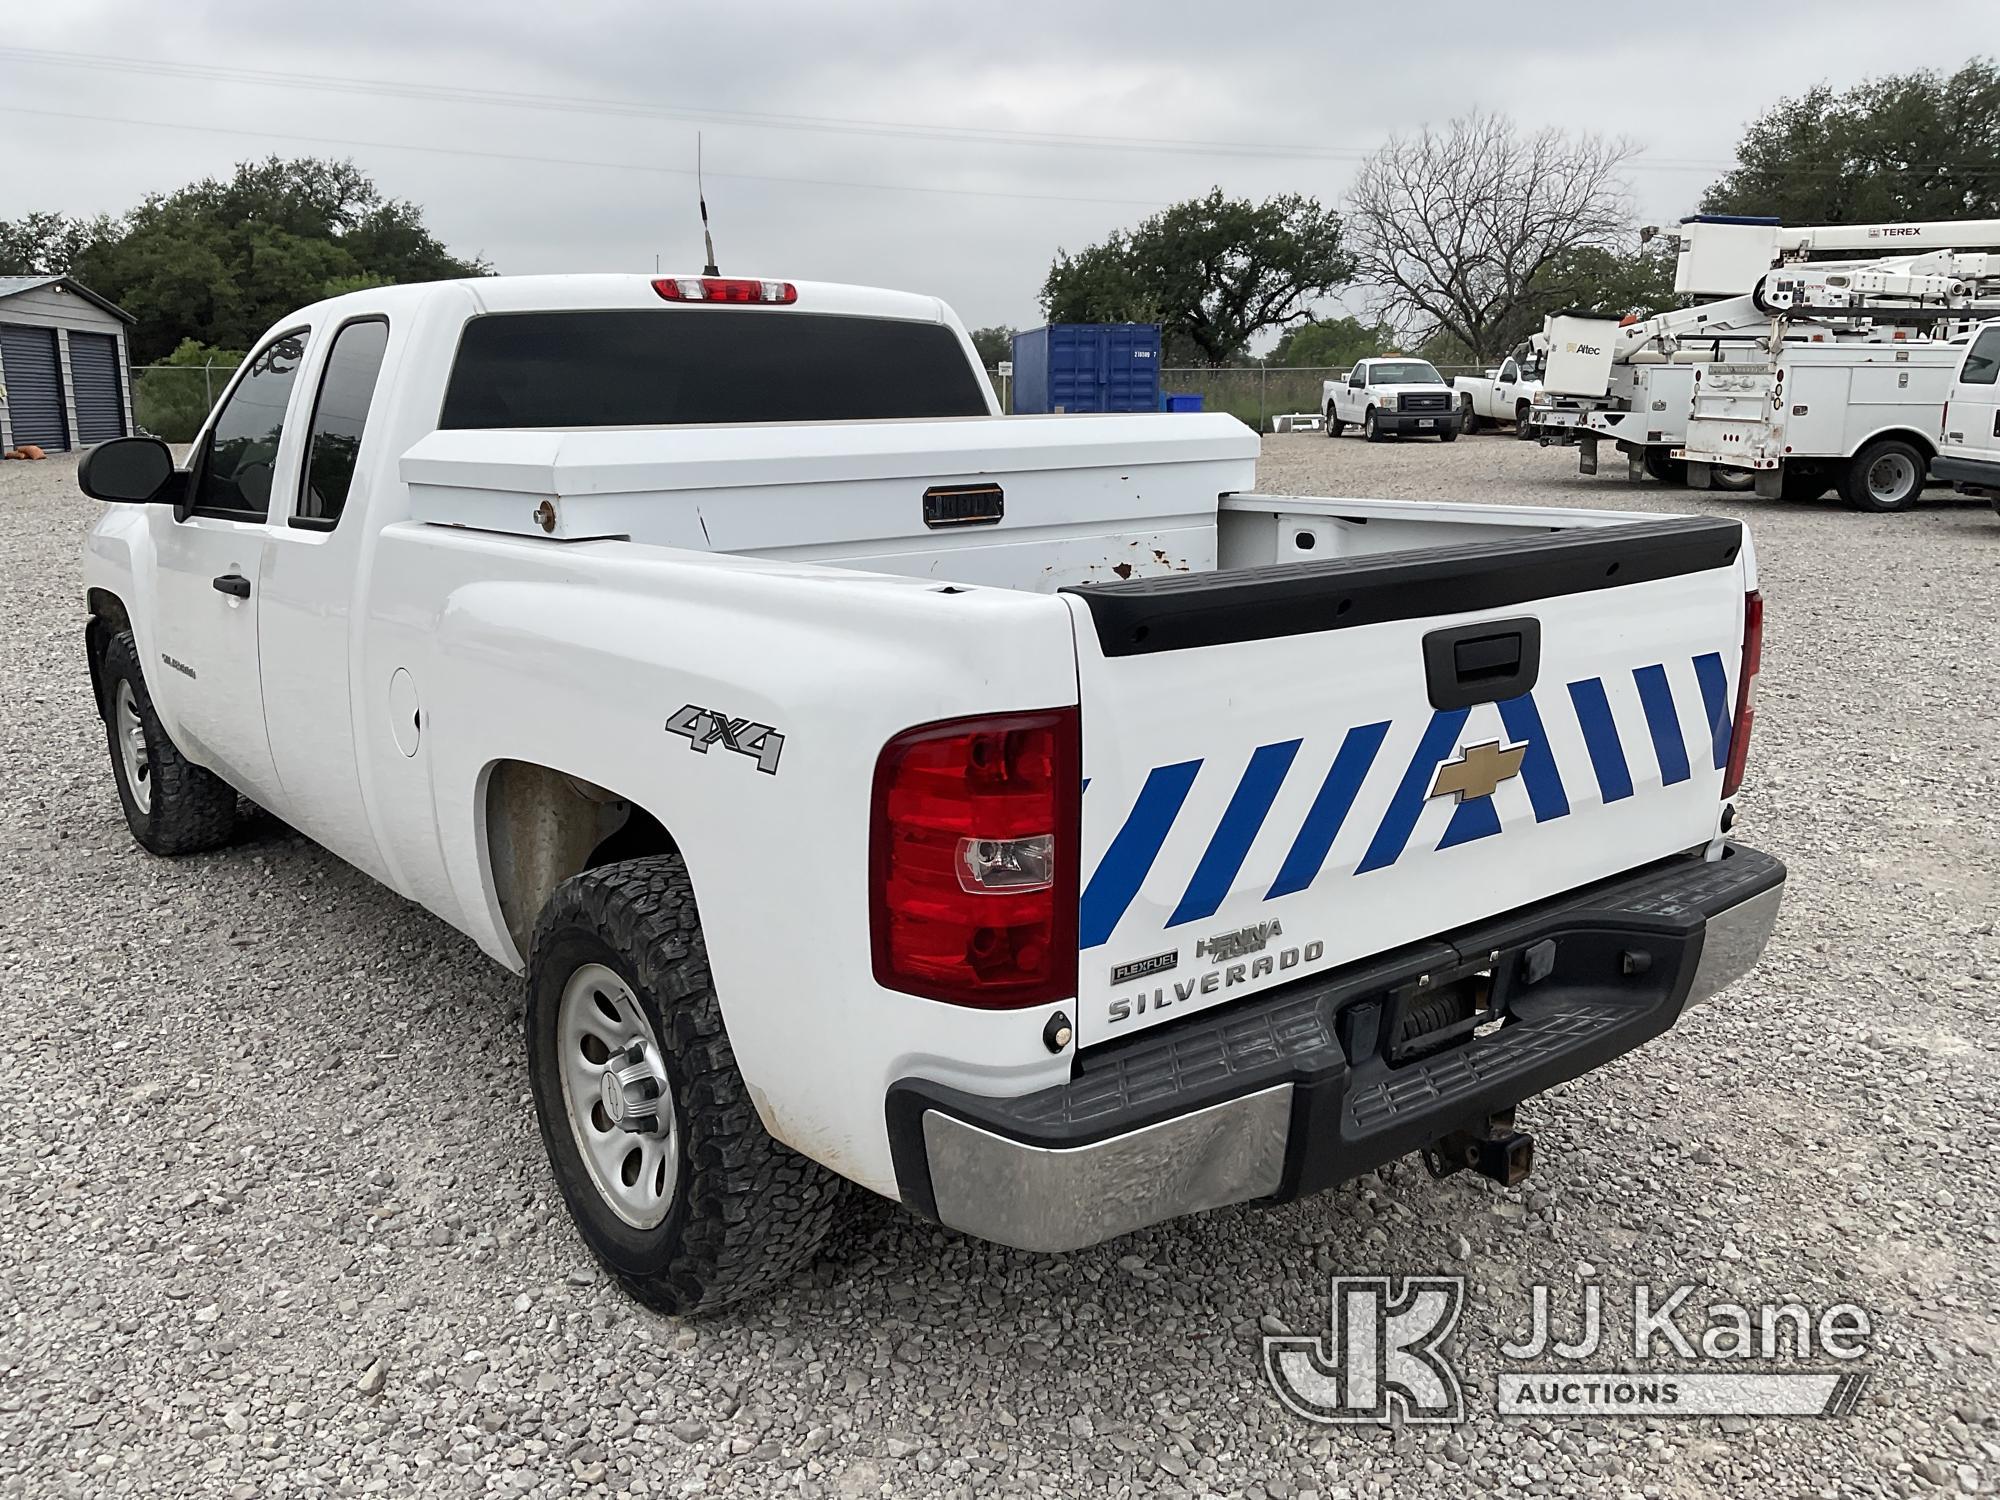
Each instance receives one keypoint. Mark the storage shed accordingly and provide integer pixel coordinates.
(63, 364)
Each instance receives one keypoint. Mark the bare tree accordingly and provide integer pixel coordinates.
(1461, 230)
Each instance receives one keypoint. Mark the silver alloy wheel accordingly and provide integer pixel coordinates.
(1892, 478)
(130, 730)
(598, 1024)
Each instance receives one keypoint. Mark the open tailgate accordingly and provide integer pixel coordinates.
(1294, 767)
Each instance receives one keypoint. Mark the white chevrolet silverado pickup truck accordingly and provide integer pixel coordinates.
(1015, 816)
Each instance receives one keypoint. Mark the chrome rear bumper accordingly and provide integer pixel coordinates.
(1291, 1093)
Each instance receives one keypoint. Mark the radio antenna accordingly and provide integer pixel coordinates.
(701, 197)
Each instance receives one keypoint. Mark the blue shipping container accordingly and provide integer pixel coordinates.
(1087, 367)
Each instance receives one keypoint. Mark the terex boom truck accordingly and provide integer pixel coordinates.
(1835, 391)
(1641, 398)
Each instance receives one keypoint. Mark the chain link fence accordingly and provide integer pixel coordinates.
(170, 400)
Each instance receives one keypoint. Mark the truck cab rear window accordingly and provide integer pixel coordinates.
(616, 367)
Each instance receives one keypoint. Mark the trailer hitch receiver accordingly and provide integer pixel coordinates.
(1499, 1151)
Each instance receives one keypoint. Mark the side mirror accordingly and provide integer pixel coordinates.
(135, 470)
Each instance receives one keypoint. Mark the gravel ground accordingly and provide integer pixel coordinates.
(276, 1220)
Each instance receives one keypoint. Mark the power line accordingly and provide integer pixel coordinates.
(261, 133)
(755, 119)
(576, 104)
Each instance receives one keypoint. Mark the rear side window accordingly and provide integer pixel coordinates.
(339, 415)
(616, 367)
(1983, 360)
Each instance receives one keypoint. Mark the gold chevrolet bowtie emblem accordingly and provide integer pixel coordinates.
(1478, 770)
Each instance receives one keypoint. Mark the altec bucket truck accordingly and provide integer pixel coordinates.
(1679, 388)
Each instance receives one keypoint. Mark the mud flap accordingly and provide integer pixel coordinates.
(1586, 453)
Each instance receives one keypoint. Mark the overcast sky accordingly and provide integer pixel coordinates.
(872, 156)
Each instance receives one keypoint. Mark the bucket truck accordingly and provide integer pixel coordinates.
(1633, 383)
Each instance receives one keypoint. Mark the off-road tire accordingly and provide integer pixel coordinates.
(748, 1213)
(189, 808)
(1664, 467)
(1854, 486)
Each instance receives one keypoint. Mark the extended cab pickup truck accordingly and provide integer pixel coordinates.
(1015, 816)
(1385, 397)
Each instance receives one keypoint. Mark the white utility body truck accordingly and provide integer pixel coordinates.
(1504, 394)
(1969, 450)
(1633, 382)
(1387, 397)
(1017, 816)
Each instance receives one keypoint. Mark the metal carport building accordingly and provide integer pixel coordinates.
(63, 364)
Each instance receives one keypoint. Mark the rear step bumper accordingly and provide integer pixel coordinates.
(1295, 1091)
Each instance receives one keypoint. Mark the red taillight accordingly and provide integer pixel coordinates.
(973, 860)
(724, 289)
(1746, 691)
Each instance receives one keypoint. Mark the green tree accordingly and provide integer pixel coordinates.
(175, 394)
(1612, 282)
(1335, 343)
(1213, 272)
(44, 244)
(220, 261)
(993, 344)
(1923, 145)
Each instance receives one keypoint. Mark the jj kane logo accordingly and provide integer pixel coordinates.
(1387, 1356)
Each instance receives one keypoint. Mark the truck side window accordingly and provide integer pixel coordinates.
(1509, 372)
(1982, 362)
(236, 472)
(340, 413)
(1359, 378)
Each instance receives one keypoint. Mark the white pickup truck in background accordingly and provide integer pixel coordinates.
(1388, 397)
(1015, 816)
(1505, 394)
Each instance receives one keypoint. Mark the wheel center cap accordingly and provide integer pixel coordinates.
(612, 1095)
(630, 1092)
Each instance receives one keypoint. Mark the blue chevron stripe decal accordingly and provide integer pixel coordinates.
(1134, 849)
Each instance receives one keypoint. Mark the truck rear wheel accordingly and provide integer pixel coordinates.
(1334, 426)
(1886, 475)
(1469, 419)
(172, 805)
(656, 1147)
(1664, 467)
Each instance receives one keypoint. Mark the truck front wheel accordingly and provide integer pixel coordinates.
(1369, 429)
(656, 1147)
(172, 805)
(1888, 475)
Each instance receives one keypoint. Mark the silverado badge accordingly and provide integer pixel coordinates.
(1478, 770)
